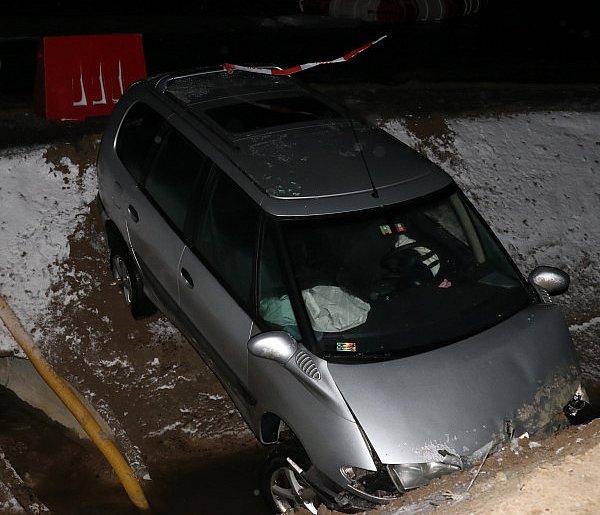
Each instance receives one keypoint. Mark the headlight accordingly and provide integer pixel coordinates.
(412, 475)
(353, 474)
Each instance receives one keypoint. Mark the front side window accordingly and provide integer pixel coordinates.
(138, 135)
(176, 173)
(274, 305)
(398, 281)
(227, 237)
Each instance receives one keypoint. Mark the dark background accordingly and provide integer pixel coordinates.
(510, 41)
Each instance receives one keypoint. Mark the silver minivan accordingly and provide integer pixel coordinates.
(360, 313)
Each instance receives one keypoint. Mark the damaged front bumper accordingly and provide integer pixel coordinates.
(407, 476)
(366, 489)
(577, 404)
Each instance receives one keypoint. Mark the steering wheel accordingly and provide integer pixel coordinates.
(402, 267)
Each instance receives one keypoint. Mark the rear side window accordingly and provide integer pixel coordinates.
(176, 174)
(227, 237)
(139, 133)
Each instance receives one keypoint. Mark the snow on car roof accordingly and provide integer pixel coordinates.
(294, 145)
(218, 84)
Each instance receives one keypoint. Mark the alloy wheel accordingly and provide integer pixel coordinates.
(288, 491)
(121, 274)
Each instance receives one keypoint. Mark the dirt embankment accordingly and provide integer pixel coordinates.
(556, 475)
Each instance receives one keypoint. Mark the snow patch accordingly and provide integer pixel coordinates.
(165, 429)
(586, 325)
(114, 362)
(8, 346)
(213, 397)
(40, 207)
(162, 330)
(8, 503)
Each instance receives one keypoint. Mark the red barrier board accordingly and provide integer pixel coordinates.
(82, 76)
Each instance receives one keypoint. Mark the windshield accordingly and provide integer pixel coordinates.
(397, 281)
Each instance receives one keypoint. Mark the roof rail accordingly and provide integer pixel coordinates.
(163, 84)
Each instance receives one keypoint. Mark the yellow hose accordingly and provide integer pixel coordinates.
(76, 407)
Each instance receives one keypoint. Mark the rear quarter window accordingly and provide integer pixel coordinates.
(138, 135)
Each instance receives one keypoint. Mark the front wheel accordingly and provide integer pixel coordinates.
(282, 488)
(129, 281)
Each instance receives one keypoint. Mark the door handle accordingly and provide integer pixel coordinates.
(187, 278)
(133, 213)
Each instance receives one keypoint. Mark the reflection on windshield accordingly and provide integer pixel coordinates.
(395, 281)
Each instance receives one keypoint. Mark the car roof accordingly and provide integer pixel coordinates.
(305, 155)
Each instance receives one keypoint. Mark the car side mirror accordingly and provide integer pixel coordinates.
(551, 279)
(278, 346)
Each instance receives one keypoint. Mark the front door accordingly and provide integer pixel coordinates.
(216, 282)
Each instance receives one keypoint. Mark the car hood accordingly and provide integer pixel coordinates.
(456, 399)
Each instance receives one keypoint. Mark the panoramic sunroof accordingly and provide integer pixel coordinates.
(252, 115)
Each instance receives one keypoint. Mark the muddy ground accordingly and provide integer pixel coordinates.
(153, 386)
(556, 475)
(149, 384)
(169, 413)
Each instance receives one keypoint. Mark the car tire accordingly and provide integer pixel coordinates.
(281, 487)
(129, 280)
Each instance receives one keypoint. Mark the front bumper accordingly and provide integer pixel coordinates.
(368, 489)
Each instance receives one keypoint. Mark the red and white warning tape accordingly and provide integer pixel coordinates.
(295, 69)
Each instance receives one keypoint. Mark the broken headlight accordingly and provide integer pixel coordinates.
(412, 475)
(373, 483)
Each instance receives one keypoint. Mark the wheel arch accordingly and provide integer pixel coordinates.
(114, 237)
(321, 422)
(270, 428)
(141, 305)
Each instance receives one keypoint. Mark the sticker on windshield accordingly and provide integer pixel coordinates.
(386, 230)
(345, 346)
(400, 228)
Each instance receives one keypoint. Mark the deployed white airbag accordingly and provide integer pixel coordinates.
(331, 309)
